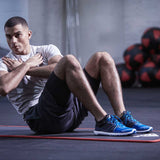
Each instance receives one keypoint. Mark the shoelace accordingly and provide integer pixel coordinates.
(116, 120)
(128, 117)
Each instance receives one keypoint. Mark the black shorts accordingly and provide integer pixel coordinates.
(58, 110)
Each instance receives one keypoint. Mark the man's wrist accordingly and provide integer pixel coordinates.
(27, 66)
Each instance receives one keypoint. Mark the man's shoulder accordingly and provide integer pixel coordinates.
(44, 49)
(43, 46)
(3, 66)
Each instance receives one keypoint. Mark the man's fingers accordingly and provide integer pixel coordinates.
(7, 59)
(5, 62)
(4, 58)
(20, 60)
(39, 56)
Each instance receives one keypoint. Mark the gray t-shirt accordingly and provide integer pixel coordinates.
(30, 88)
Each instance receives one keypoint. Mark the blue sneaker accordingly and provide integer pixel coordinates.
(129, 121)
(111, 126)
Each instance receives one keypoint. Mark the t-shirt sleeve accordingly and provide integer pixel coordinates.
(51, 50)
(3, 67)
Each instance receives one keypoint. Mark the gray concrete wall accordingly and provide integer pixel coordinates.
(9, 8)
(138, 16)
(47, 22)
(113, 25)
(101, 27)
(105, 25)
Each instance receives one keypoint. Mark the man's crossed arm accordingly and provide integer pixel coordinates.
(18, 69)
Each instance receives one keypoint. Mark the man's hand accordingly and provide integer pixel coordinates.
(11, 64)
(10, 80)
(45, 70)
(34, 61)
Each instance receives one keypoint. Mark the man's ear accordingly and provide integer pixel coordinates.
(29, 34)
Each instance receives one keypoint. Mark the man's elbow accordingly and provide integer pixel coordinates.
(3, 91)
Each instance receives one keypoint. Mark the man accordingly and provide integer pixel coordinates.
(54, 94)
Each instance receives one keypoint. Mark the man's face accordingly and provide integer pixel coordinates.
(18, 39)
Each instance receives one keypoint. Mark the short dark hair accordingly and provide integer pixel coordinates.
(11, 22)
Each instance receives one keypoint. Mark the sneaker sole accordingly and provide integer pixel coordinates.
(145, 131)
(101, 133)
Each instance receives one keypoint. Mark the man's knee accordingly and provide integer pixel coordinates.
(67, 64)
(71, 62)
(104, 58)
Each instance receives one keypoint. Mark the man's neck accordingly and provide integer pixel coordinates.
(25, 51)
